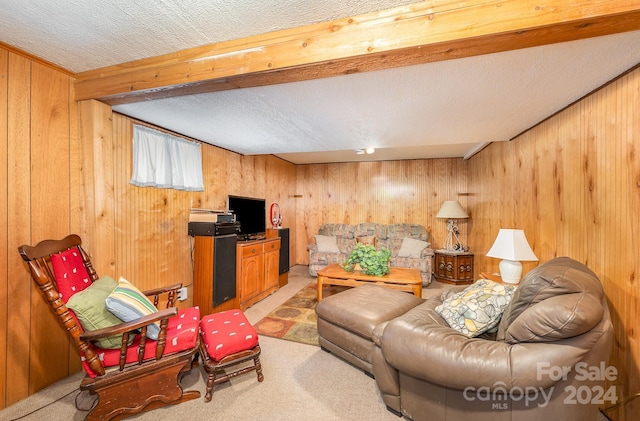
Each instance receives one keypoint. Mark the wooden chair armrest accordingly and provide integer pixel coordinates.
(162, 290)
(129, 326)
(171, 291)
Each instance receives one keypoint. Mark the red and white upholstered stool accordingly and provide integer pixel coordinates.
(227, 339)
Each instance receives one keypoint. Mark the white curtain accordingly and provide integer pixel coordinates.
(165, 161)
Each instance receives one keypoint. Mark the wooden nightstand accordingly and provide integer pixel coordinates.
(454, 268)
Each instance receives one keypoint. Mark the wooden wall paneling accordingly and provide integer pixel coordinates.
(151, 240)
(546, 165)
(125, 216)
(5, 249)
(249, 177)
(486, 206)
(50, 216)
(234, 180)
(568, 185)
(584, 195)
(526, 192)
(590, 211)
(215, 170)
(309, 181)
(383, 192)
(76, 198)
(631, 125)
(280, 188)
(18, 227)
(620, 258)
(96, 134)
(152, 246)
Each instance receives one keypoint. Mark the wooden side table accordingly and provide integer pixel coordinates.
(495, 277)
(454, 268)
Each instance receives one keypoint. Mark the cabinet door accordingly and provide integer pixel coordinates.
(271, 269)
(441, 267)
(252, 277)
(464, 268)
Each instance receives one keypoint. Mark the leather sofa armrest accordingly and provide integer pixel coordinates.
(421, 344)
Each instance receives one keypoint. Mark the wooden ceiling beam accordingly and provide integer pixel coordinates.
(415, 34)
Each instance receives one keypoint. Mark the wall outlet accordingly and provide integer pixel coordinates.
(182, 294)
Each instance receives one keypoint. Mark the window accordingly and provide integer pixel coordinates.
(165, 161)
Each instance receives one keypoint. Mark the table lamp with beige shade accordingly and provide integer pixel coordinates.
(512, 247)
(452, 211)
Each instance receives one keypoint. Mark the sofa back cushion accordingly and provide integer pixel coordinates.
(371, 229)
(397, 232)
(337, 230)
(559, 299)
(344, 234)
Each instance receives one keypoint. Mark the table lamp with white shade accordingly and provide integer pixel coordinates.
(512, 247)
(452, 211)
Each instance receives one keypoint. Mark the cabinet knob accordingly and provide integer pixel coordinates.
(449, 267)
(441, 266)
(468, 268)
(253, 250)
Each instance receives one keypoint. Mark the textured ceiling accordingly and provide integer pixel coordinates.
(442, 109)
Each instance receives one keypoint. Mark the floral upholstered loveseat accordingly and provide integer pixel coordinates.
(408, 243)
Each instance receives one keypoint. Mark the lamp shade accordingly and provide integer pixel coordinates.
(512, 245)
(451, 209)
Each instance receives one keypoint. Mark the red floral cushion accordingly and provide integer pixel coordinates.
(226, 333)
(182, 334)
(70, 274)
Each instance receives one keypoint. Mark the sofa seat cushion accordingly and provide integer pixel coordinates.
(409, 263)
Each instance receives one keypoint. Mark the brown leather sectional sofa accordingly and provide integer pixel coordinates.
(547, 360)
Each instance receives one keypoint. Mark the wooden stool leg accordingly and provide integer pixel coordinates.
(256, 361)
(211, 380)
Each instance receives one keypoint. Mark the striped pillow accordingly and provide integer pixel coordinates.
(128, 303)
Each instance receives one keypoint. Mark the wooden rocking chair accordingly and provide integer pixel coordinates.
(138, 374)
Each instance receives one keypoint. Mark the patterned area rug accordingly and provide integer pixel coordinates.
(295, 320)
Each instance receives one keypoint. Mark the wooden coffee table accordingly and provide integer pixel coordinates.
(408, 280)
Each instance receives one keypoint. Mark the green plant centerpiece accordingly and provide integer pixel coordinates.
(373, 262)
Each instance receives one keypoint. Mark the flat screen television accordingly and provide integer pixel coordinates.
(251, 213)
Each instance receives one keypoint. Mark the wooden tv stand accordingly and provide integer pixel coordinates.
(255, 269)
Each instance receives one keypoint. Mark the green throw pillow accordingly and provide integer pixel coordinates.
(89, 307)
(478, 308)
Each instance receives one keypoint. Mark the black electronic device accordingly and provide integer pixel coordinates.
(208, 229)
(251, 213)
